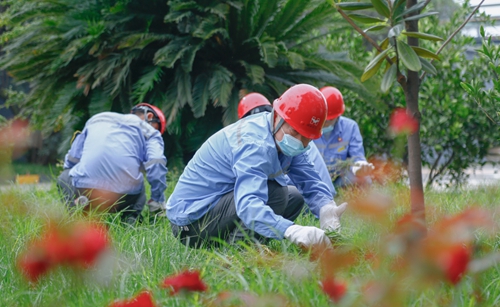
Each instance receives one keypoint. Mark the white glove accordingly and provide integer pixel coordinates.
(329, 216)
(362, 167)
(307, 236)
(155, 207)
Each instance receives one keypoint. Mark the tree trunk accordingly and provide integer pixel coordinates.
(414, 152)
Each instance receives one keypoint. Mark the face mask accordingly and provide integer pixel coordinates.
(290, 146)
(327, 129)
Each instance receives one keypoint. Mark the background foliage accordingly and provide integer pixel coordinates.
(455, 134)
(194, 59)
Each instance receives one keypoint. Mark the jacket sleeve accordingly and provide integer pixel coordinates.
(74, 154)
(156, 167)
(251, 160)
(316, 192)
(356, 150)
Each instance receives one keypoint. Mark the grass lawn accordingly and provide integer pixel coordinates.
(365, 260)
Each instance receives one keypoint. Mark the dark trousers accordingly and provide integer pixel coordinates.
(222, 222)
(129, 204)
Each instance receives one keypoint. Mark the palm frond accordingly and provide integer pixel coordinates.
(146, 82)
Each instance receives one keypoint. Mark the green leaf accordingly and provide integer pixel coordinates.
(376, 28)
(481, 31)
(354, 6)
(425, 36)
(397, 10)
(269, 52)
(173, 51)
(220, 85)
(374, 65)
(364, 18)
(296, 60)
(414, 8)
(425, 53)
(416, 17)
(467, 87)
(201, 95)
(396, 30)
(408, 56)
(255, 72)
(183, 81)
(428, 67)
(388, 79)
(385, 43)
(381, 7)
(146, 82)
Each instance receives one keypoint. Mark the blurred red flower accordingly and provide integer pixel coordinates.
(89, 241)
(334, 289)
(402, 123)
(187, 280)
(143, 299)
(78, 245)
(454, 261)
(33, 264)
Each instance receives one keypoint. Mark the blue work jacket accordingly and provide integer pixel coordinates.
(243, 157)
(111, 153)
(319, 166)
(343, 142)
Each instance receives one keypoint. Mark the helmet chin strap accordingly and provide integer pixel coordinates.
(280, 123)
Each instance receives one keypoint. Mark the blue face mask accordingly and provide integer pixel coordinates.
(290, 146)
(327, 129)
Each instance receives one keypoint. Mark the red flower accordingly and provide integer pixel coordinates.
(334, 289)
(33, 264)
(88, 241)
(402, 123)
(79, 244)
(143, 299)
(454, 262)
(187, 280)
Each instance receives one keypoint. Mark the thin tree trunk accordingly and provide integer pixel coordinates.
(414, 151)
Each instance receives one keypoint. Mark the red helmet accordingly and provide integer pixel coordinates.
(334, 101)
(250, 102)
(304, 108)
(157, 113)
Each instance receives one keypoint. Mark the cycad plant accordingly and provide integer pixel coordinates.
(193, 59)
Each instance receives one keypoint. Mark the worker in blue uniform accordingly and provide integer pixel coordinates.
(235, 185)
(341, 140)
(106, 161)
(254, 103)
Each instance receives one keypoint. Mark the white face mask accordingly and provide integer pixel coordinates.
(328, 129)
(290, 146)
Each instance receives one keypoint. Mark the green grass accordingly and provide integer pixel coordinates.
(30, 168)
(144, 255)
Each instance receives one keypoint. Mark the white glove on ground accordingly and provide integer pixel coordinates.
(155, 206)
(362, 167)
(329, 216)
(307, 236)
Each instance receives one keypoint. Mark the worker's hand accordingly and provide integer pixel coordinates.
(307, 236)
(362, 168)
(329, 216)
(155, 207)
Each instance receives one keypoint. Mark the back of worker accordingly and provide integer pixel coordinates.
(112, 150)
(106, 161)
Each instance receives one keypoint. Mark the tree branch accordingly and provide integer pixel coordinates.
(363, 33)
(448, 40)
